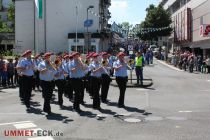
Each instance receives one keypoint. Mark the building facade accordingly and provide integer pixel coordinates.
(7, 40)
(61, 23)
(190, 19)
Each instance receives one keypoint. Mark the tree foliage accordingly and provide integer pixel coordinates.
(126, 26)
(4, 28)
(156, 17)
(11, 13)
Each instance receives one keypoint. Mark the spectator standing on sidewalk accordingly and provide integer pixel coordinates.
(10, 72)
(16, 80)
(191, 64)
(4, 74)
(208, 64)
(1, 68)
(199, 63)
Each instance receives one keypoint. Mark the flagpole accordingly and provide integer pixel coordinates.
(76, 26)
(35, 29)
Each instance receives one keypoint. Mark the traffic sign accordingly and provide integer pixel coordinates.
(88, 23)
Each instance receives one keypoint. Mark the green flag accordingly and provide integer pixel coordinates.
(39, 8)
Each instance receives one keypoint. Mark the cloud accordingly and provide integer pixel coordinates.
(119, 4)
(119, 10)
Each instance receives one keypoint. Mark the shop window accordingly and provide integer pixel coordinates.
(92, 48)
(9, 47)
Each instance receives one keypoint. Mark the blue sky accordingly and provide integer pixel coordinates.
(132, 11)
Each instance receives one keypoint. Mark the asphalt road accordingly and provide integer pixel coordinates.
(176, 107)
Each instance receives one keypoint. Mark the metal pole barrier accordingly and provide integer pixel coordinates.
(131, 76)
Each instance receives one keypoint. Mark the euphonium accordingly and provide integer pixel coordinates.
(52, 65)
(87, 62)
(130, 62)
(104, 63)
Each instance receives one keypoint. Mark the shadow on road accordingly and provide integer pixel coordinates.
(35, 111)
(58, 117)
(107, 111)
(87, 114)
(35, 104)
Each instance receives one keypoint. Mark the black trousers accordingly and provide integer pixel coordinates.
(86, 82)
(16, 78)
(139, 74)
(47, 91)
(37, 80)
(61, 86)
(77, 85)
(10, 79)
(105, 87)
(27, 89)
(90, 84)
(95, 90)
(20, 86)
(121, 82)
(68, 88)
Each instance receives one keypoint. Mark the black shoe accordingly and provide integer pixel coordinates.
(61, 106)
(28, 106)
(104, 101)
(49, 112)
(82, 103)
(78, 110)
(121, 106)
(97, 108)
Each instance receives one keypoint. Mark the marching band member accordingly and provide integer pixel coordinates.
(105, 77)
(87, 74)
(76, 68)
(18, 69)
(120, 71)
(36, 62)
(96, 70)
(65, 64)
(27, 71)
(59, 81)
(47, 71)
(71, 97)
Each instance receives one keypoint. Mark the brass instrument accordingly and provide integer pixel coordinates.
(87, 62)
(52, 65)
(130, 62)
(104, 63)
(57, 63)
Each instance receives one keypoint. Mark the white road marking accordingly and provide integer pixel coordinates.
(24, 125)
(154, 118)
(208, 90)
(185, 111)
(41, 138)
(142, 89)
(15, 123)
(208, 80)
(172, 67)
(176, 118)
(147, 97)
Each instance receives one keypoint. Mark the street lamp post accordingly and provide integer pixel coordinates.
(88, 42)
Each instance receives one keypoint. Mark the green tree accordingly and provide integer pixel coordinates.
(11, 14)
(126, 26)
(156, 17)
